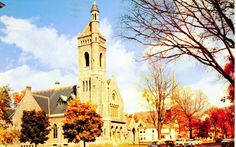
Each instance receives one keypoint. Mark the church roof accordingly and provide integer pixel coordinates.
(87, 30)
(94, 7)
(47, 99)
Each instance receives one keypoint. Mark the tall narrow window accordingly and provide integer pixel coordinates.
(86, 56)
(83, 86)
(101, 60)
(89, 84)
(86, 85)
(55, 131)
(95, 17)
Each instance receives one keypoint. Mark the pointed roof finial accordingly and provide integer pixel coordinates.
(94, 7)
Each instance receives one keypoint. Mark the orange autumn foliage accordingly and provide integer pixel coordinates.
(8, 136)
(18, 97)
(82, 123)
(229, 70)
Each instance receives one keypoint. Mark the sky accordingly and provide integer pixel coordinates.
(38, 47)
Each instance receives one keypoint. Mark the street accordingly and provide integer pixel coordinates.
(204, 145)
(211, 145)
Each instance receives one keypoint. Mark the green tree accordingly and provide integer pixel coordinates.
(82, 122)
(35, 127)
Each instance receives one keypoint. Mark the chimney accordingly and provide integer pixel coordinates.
(28, 88)
(57, 84)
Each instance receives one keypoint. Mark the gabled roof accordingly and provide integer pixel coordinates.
(47, 99)
(43, 102)
(87, 30)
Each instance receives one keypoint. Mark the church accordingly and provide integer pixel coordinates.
(93, 86)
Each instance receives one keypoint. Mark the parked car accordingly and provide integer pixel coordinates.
(197, 141)
(227, 142)
(179, 142)
(169, 143)
(189, 142)
(153, 144)
(218, 140)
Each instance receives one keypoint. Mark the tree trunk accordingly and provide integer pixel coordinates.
(84, 144)
(159, 131)
(190, 129)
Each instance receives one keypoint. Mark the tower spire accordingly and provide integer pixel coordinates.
(94, 7)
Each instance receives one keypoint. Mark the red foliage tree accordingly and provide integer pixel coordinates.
(222, 120)
(229, 70)
(177, 115)
(202, 128)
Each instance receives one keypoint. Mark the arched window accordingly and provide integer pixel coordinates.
(113, 96)
(86, 56)
(101, 60)
(95, 17)
(55, 131)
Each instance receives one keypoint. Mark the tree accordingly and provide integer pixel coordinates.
(192, 105)
(8, 136)
(158, 87)
(17, 97)
(82, 122)
(214, 120)
(229, 69)
(34, 127)
(202, 128)
(201, 29)
(5, 101)
(178, 116)
(222, 120)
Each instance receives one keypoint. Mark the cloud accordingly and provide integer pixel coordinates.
(58, 51)
(46, 47)
(24, 75)
(44, 44)
(121, 64)
(105, 28)
(214, 88)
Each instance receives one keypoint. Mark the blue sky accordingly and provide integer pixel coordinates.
(38, 47)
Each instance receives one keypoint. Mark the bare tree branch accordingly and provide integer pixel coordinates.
(202, 29)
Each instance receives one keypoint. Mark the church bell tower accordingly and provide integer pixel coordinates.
(92, 62)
